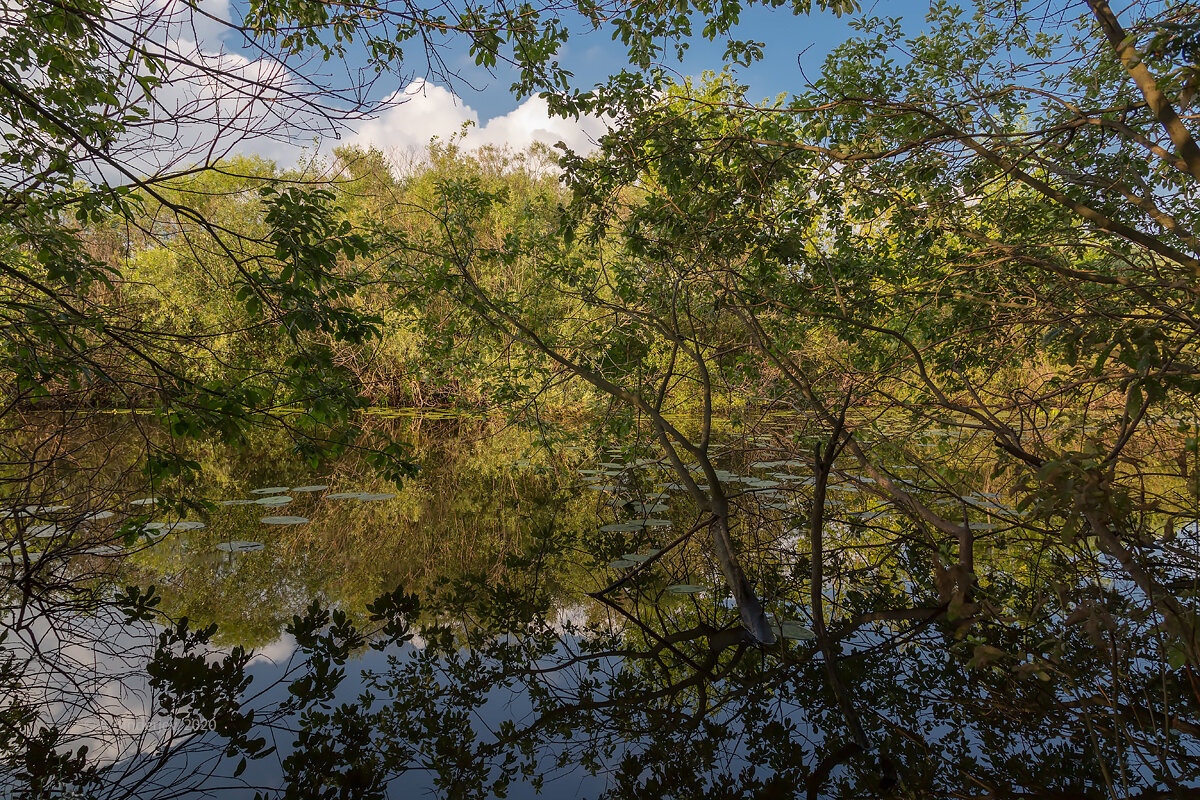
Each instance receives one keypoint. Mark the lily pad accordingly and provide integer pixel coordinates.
(791, 629)
(686, 588)
(240, 547)
(344, 495)
(105, 550)
(284, 520)
(638, 557)
(274, 500)
(270, 490)
(236, 502)
(14, 559)
(45, 509)
(622, 527)
(145, 501)
(168, 527)
(97, 515)
(622, 563)
(314, 488)
(368, 497)
(44, 531)
(647, 508)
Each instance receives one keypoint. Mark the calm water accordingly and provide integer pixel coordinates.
(511, 669)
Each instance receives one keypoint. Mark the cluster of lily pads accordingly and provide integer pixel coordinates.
(49, 522)
(771, 484)
(274, 497)
(46, 522)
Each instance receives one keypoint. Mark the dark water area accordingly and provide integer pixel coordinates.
(554, 620)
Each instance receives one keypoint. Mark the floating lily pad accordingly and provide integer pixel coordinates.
(791, 629)
(368, 497)
(240, 547)
(284, 520)
(638, 557)
(97, 515)
(622, 527)
(315, 488)
(647, 508)
(274, 500)
(655, 523)
(168, 527)
(236, 502)
(145, 501)
(344, 495)
(44, 531)
(686, 588)
(105, 550)
(270, 490)
(622, 563)
(45, 509)
(14, 559)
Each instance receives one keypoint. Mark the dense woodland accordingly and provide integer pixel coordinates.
(955, 277)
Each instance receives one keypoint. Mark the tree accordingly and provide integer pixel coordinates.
(986, 243)
(982, 248)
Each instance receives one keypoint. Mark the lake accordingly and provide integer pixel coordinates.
(555, 619)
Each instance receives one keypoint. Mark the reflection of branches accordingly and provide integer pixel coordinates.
(660, 552)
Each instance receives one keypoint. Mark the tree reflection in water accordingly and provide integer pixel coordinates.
(671, 701)
(519, 660)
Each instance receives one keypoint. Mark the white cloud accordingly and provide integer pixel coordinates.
(277, 653)
(423, 110)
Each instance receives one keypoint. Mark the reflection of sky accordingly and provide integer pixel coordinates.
(501, 704)
(920, 684)
(86, 675)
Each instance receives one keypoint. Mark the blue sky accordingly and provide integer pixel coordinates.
(795, 46)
